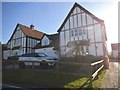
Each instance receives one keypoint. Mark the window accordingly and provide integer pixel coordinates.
(84, 31)
(82, 48)
(80, 32)
(45, 42)
(42, 55)
(72, 33)
(76, 32)
(18, 42)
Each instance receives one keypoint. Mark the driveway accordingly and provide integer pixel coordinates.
(111, 76)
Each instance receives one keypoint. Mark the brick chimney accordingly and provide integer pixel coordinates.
(32, 26)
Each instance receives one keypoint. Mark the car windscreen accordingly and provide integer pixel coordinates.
(30, 55)
(42, 55)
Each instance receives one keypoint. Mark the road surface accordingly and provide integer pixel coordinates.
(111, 76)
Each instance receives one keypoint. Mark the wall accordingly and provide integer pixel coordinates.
(82, 26)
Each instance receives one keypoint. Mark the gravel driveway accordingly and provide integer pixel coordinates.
(111, 77)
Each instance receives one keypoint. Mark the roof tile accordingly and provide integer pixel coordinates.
(31, 33)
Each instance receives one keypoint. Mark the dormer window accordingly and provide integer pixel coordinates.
(45, 41)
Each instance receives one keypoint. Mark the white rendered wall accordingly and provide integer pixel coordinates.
(99, 49)
(92, 49)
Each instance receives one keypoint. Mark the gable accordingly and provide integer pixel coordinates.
(17, 33)
(26, 31)
(18, 28)
(45, 41)
(78, 16)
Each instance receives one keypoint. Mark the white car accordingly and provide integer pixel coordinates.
(36, 59)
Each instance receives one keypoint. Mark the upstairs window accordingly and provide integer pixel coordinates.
(80, 32)
(76, 32)
(84, 31)
(72, 33)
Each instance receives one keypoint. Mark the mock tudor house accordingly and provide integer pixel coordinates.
(80, 24)
(49, 45)
(22, 40)
(115, 50)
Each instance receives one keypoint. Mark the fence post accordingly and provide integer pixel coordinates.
(90, 76)
(32, 65)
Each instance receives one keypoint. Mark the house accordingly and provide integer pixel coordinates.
(115, 50)
(80, 24)
(49, 45)
(4, 48)
(22, 40)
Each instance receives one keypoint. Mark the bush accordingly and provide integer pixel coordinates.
(13, 58)
(21, 65)
(81, 59)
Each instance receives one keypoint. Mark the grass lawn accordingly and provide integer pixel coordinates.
(85, 82)
(41, 78)
(46, 78)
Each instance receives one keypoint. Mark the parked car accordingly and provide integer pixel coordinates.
(36, 59)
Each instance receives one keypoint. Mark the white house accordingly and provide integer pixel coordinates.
(80, 24)
(22, 41)
(115, 50)
(48, 45)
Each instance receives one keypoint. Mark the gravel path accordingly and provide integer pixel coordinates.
(111, 77)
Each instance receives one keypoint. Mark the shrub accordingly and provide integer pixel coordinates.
(81, 59)
(13, 58)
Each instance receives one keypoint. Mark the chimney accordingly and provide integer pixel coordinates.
(32, 26)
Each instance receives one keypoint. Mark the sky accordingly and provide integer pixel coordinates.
(48, 16)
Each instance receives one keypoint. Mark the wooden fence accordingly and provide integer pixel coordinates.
(94, 73)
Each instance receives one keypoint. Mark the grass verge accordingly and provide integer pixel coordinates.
(84, 82)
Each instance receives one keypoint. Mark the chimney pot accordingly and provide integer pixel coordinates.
(32, 26)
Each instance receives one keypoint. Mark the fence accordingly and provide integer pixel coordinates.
(10, 64)
(94, 72)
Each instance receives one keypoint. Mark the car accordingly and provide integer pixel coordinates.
(36, 59)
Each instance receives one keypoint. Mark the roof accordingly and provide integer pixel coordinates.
(54, 37)
(115, 46)
(55, 42)
(31, 33)
(28, 32)
(82, 8)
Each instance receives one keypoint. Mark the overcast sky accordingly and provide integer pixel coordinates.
(48, 16)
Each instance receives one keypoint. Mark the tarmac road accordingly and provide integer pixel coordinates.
(8, 86)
